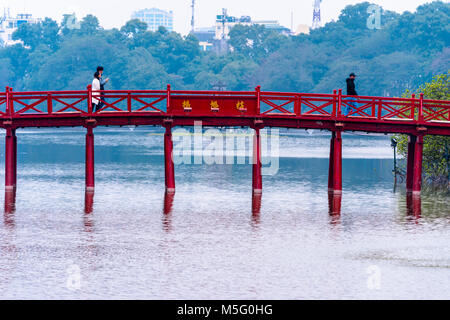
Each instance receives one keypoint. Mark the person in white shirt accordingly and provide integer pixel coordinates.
(95, 92)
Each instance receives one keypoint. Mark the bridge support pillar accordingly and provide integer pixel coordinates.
(418, 158)
(168, 159)
(410, 163)
(414, 165)
(90, 178)
(335, 165)
(257, 164)
(10, 160)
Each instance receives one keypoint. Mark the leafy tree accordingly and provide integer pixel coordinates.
(42, 33)
(427, 29)
(89, 25)
(134, 28)
(436, 151)
(255, 42)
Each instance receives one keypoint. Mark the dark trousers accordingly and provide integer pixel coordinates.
(96, 107)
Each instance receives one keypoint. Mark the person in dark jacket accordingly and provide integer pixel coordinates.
(351, 91)
(103, 82)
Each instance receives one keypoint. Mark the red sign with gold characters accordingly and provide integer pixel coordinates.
(221, 106)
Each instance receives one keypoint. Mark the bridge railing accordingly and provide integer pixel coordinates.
(335, 106)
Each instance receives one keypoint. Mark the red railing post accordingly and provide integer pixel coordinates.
(421, 109)
(129, 107)
(380, 109)
(89, 100)
(49, 103)
(412, 116)
(298, 105)
(169, 106)
(258, 100)
(374, 108)
(339, 112)
(334, 114)
(10, 102)
(7, 110)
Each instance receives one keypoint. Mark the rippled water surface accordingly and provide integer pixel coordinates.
(209, 241)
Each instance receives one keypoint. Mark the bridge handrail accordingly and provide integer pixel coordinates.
(298, 104)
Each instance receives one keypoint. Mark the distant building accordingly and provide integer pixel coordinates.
(10, 24)
(155, 18)
(217, 37)
(275, 26)
(302, 29)
(224, 24)
(205, 37)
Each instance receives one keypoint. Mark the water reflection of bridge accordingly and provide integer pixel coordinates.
(414, 116)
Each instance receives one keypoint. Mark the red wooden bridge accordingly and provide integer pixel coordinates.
(414, 116)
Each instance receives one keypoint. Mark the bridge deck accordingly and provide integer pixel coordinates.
(225, 108)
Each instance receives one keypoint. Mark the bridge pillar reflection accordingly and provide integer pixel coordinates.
(10, 201)
(89, 202)
(335, 164)
(168, 158)
(10, 159)
(413, 205)
(414, 164)
(90, 178)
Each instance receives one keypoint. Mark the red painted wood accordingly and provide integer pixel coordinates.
(90, 179)
(337, 162)
(10, 158)
(168, 160)
(331, 163)
(222, 109)
(418, 157)
(410, 163)
(257, 164)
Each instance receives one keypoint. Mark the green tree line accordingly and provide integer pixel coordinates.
(409, 49)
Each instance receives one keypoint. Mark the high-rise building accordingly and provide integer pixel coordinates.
(9, 24)
(155, 18)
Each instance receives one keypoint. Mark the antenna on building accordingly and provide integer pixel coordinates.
(316, 15)
(224, 20)
(292, 21)
(193, 16)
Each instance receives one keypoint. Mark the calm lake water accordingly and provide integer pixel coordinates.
(208, 242)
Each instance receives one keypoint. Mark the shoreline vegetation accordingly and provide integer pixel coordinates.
(436, 151)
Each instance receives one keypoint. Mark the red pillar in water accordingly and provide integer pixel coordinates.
(410, 163)
(168, 159)
(331, 163)
(10, 159)
(418, 157)
(257, 164)
(15, 158)
(335, 170)
(90, 180)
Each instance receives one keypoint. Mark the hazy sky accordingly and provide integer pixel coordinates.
(114, 13)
